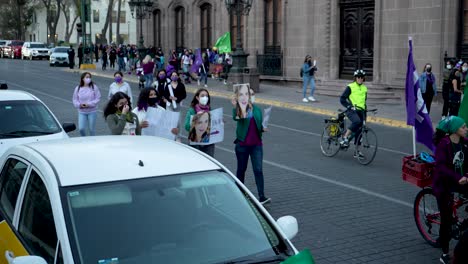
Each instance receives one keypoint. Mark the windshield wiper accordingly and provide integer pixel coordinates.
(20, 133)
(270, 259)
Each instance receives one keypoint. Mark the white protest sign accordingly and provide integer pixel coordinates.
(207, 128)
(266, 117)
(161, 123)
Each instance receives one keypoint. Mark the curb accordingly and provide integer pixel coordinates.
(302, 108)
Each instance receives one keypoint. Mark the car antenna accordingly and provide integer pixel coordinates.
(140, 163)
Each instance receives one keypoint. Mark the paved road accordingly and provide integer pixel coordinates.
(347, 213)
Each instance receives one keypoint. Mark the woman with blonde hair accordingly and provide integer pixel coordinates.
(200, 128)
(148, 68)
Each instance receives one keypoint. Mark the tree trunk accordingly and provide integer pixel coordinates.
(19, 30)
(119, 39)
(108, 18)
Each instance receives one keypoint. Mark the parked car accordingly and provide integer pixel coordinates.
(13, 49)
(106, 199)
(25, 119)
(34, 50)
(59, 56)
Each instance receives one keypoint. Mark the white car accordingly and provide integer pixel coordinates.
(34, 50)
(59, 56)
(25, 118)
(130, 200)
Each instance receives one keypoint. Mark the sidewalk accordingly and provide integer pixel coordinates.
(393, 115)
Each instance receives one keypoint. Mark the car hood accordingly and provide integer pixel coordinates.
(59, 54)
(40, 49)
(6, 143)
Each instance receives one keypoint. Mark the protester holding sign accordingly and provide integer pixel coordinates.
(148, 98)
(119, 118)
(248, 137)
(200, 104)
(200, 128)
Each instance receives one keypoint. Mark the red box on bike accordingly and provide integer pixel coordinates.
(417, 172)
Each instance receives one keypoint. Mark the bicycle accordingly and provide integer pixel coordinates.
(366, 144)
(427, 216)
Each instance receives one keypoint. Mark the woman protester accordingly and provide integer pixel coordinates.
(148, 68)
(428, 85)
(120, 86)
(450, 174)
(119, 118)
(86, 98)
(200, 104)
(249, 137)
(161, 85)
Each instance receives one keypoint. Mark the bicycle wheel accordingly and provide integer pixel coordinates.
(329, 143)
(366, 146)
(427, 216)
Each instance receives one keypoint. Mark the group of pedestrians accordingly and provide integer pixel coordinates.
(125, 116)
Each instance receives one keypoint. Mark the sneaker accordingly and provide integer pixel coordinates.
(344, 142)
(305, 100)
(445, 259)
(312, 99)
(358, 154)
(206, 86)
(265, 200)
(225, 82)
(198, 82)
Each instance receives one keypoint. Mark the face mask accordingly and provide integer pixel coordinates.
(162, 76)
(174, 78)
(252, 99)
(87, 80)
(428, 69)
(118, 79)
(152, 100)
(464, 69)
(449, 67)
(204, 100)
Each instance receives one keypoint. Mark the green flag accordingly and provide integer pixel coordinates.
(303, 257)
(224, 43)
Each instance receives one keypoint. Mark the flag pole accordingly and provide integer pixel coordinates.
(414, 142)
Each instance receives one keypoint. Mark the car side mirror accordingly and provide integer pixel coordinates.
(23, 259)
(288, 225)
(69, 127)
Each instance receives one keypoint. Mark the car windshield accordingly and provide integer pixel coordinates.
(60, 50)
(190, 218)
(2, 42)
(37, 45)
(17, 43)
(26, 118)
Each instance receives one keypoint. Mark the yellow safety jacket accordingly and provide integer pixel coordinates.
(358, 95)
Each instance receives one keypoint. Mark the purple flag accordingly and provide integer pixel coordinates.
(416, 110)
(198, 61)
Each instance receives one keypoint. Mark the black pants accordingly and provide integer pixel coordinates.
(428, 96)
(444, 202)
(356, 117)
(453, 108)
(445, 96)
(208, 149)
(80, 60)
(112, 64)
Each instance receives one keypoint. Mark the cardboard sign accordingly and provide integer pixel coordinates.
(206, 128)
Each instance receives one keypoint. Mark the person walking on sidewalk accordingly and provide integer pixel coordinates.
(112, 57)
(71, 57)
(104, 58)
(86, 98)
(148, 68)
(308, 72)
(455, 90)
(248, 141)
(354, 98)
(446, 88)
(450, 174)
(204, 70)
(80, 55)
(120, 86)
(428, 85)
(200, 104)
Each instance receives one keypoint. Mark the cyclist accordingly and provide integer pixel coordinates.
(449, 174)
(354, 99)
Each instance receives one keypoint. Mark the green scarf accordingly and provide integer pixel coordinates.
(128, 117)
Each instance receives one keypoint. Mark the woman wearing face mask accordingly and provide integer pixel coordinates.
(120, 86)
(428, 85)
(86, 98)
(200, 104)
(446, 88)
(179, 92)
(162, 88)
(148, 98)
(119, 118)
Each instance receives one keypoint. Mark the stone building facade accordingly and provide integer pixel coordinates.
(341, 34)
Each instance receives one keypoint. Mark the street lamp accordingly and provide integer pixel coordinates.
(239, 8)
(140, 8)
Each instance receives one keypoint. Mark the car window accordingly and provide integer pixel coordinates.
(60, 50)
(36, 225)
(17, 43)
(2, 42)
(10, 183)
(26, 118)
(37, 45)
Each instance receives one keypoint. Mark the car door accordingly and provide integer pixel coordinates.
(11, 179)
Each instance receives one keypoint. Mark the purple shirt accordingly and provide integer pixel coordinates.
(86, 95)
(148, 67)
(252, 138)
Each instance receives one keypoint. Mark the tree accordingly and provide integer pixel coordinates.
(108, 21)
(15, 16)
(119, 39)
(53, 9)
(66, 9)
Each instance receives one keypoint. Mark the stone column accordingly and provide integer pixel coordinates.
(377, 41)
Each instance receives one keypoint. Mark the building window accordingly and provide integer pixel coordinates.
(179, 22)
(123, 17)
(96, 16)
(157, 27)
(273, 26)
(233, 22)
(205, 26)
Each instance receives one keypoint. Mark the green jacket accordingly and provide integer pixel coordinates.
(190, 113)
(116, 123)
(243, 123)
